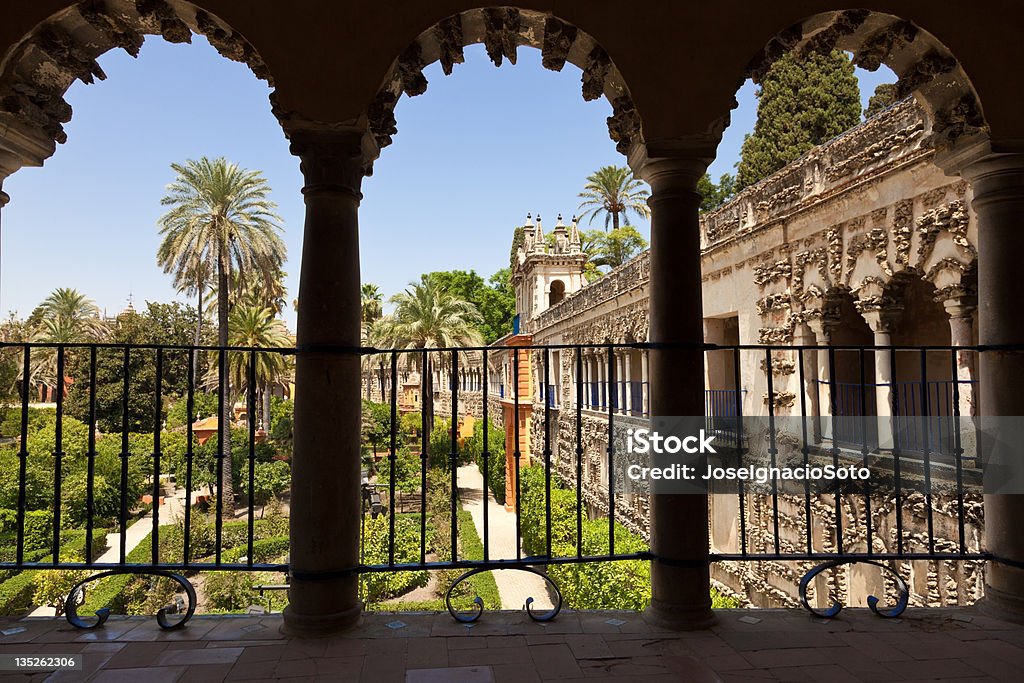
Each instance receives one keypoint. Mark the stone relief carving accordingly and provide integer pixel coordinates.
(876, 241)
(501, 33)
(594, 74)
(448, 34)
(773, 302)
(766, 274)
(558, 39)
(623, 124)
(952, 218)
(876, 48)
(410, 70)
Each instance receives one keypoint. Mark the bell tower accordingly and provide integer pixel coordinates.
(546, 269)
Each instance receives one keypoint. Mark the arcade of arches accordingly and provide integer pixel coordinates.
(670, 71)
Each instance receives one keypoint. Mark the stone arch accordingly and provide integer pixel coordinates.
(502, 30)
(556, 292)
(926, 68)
(36, 73)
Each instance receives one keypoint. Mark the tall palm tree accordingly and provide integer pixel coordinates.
(428, 316)
(614, 191)
(77, 313)
(66, 316)
(256, 326)
(371, 300)
(220, 215)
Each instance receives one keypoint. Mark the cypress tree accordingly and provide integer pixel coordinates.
(884, 96)
(802, 103)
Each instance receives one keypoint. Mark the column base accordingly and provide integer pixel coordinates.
(677, 617)
(1001, 605)
(319, 625)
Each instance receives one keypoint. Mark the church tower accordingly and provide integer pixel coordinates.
(546, 269)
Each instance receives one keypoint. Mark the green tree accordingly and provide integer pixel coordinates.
(371, 301)
(613, 249)
(256, 326)
(884, 96)
(220, 214)
(495, 300)
(167, 324)
(801, 104)
(613, 191)
(713, 196)
(427, 315)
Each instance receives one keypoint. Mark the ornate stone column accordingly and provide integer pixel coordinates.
(998, 185)
(804, 336)
(680, 583)
(325, 507)
(627, 379)
(961, 311)
(620, 383)
(645, 400)
(821, 328)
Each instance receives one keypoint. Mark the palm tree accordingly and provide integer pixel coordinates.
(256, 326)
(614, 191)
(428, 316)
(371, 300)
(76, 313)
(65, 317)
(220, 215)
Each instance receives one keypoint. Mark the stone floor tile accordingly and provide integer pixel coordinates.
(933, 669)
(159, 674)
(554, 661)
(489, 655)
(998, 669)
(339, 668)
(522, 672)
(191, 656)
(804, 656)
(135, 655)
(827, 673)
(206, 673)
(465, 674)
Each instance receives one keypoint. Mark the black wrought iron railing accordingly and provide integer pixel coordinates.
(120, 392)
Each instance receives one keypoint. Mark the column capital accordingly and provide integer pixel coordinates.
(961, 306)
(881, 320)
(675, 164)
(4, 197)
(332, 160)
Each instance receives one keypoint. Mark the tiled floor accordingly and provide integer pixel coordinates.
(506, 646)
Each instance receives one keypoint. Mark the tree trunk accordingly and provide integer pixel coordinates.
(427, 395)
(615, 220)
(199, 332)
(227, 492)
(266, 407)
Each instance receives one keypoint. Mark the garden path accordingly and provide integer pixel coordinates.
(514, 587)
(170, 513)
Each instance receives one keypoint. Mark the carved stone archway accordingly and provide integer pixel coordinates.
(502, 30)
(35, 76)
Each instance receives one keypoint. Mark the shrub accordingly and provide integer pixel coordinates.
(204, 405)
(408, 468)
(263, 550)
(228, 591)
(533, 507)
(379, 586)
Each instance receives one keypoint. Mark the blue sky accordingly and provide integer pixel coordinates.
(472, 156)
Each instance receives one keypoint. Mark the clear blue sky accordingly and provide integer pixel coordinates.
(472, 156)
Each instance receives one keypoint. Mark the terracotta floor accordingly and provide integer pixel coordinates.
(506, 646)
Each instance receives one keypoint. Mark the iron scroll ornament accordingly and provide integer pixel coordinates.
(836, 607)
(469, 618)
(102, 614)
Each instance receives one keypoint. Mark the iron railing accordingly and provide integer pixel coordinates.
(561, 464)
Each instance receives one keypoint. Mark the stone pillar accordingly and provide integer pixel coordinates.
(997, 181)
(880, 323)
(644, 384)
(961, 311)
(325, 507)
(627, 379)
(680, 583)
(822, 335)
(804, 336)
(620, 383)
